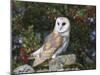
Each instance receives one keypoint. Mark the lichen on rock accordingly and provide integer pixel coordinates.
(58, 63)
(23, 69)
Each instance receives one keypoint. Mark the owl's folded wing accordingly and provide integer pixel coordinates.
(53, 42)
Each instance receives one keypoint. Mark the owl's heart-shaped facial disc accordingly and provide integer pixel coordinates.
(62, 24)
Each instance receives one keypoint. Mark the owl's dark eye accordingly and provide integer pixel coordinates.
(58, 23)
(63, 23)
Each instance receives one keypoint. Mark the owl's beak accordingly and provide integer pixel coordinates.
(60, 28)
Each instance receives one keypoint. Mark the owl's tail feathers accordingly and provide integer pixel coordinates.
(31, 57)
(38, 61)
(35, 54)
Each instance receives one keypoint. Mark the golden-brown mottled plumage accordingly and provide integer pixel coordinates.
(50, 46)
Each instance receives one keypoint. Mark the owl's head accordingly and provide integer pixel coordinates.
(62, 24)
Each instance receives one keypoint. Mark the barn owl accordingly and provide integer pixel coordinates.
(55, 43)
